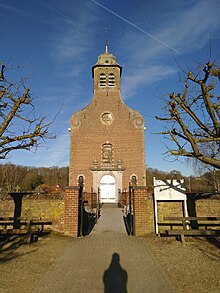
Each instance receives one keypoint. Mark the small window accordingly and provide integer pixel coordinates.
(81, 181)
(134, 180)
(111, 79)
(102, 79)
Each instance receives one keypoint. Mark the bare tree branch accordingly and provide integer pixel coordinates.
(193, 117)
(17, 111)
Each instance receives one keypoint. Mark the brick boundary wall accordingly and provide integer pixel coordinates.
(143, 211)
(63, 212)
(144, 218)
(45, 208)
(207, 207)
(71, 211)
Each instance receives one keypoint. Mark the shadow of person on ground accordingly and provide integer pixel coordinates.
(115, 277)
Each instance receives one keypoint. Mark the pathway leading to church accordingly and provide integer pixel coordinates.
(111, 220)
(108, 260)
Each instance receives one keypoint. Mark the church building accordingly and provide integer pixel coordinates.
(107, 137)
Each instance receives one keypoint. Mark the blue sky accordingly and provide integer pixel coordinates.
(56, 43)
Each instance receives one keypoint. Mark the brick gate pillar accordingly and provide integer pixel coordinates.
(71, 203)
(143, 211)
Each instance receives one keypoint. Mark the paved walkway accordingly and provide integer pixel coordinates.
(108, 260)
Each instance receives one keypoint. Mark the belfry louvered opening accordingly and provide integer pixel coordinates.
(102, 79)
(111, 79)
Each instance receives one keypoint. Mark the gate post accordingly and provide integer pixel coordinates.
(71, 203)
(143, 211)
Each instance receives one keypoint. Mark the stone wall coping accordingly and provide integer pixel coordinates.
(139, 187)
(72, 188)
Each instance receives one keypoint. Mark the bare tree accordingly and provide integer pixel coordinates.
(193, 117)
(19, 128)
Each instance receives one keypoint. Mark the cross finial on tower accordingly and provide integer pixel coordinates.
(106, 42)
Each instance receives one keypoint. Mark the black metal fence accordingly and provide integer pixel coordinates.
(80, 212)
(129, 212)
(87, 217)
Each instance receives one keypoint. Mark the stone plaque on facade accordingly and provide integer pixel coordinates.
(107, 153)
(138, 122)
(76, 123)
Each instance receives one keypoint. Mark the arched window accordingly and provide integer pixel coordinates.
(81, 181)
(134, 180)
(107, 154)
(102, 79)
(111, 79)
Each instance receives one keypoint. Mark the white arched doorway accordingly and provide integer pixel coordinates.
(107, 189)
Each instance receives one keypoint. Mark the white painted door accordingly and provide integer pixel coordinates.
(107, 189)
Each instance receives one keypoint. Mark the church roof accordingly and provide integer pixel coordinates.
(106, 59)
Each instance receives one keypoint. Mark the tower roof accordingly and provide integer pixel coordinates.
(106, 59)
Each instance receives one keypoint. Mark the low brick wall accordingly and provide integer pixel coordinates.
(144, 220)
(63, 211)
(207, 207)
(169, 209)
(7, 208)
(47, 209)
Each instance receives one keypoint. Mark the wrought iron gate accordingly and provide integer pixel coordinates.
(80, 212)
(130, 212)
(86, 218)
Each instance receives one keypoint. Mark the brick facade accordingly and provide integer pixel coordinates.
(107, 137)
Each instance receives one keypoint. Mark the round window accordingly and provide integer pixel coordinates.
(107, 118)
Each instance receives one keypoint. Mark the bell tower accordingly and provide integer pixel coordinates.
(106, 72)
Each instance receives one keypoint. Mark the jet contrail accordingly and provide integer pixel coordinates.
(135, 26)
(54, 10)
(9, 8)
